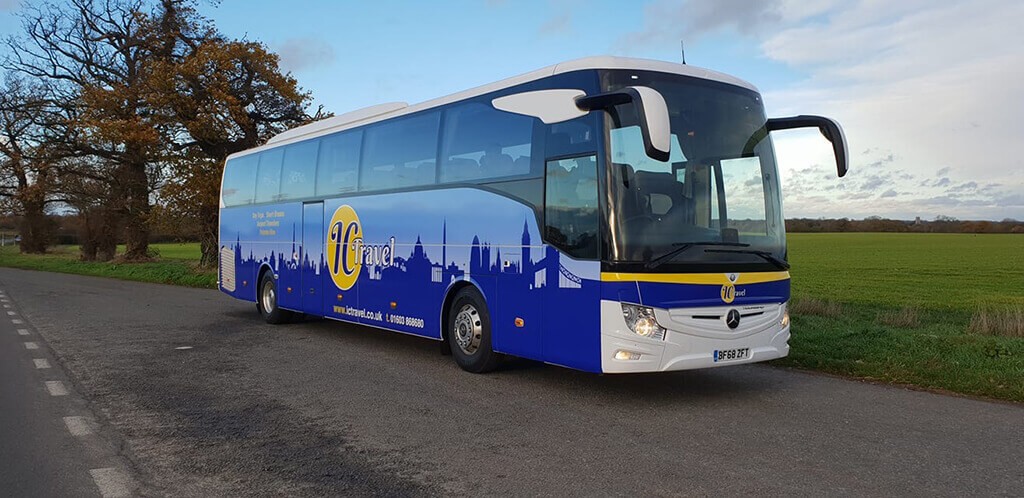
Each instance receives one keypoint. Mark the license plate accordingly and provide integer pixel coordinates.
(732, 354)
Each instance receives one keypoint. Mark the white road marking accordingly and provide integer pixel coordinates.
(56, 388)
(182, 348)
(78, 426)
(7, 305)
(31, 345)
(41, 363)
(12, 313)
(112, 482)
(18, 322)
(23, 332)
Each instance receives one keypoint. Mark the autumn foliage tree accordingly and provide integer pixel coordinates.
(225, 96)
(154, 99)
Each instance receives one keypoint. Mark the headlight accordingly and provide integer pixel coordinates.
(640, 319)
(784, 321)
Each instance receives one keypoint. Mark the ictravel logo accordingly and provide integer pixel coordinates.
(346, 251)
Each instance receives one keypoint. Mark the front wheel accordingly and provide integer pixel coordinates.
(469, 332)
(266, 302)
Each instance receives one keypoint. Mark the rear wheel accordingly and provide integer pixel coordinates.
(469, 332)
(266, 301)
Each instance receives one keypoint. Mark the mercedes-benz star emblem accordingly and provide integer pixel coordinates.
(732, 319)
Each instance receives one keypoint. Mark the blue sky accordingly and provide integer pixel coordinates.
(927, 90)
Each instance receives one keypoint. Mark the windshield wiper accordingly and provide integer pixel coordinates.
(683, 246)
(765, 255)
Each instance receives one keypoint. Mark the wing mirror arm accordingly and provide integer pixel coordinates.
(652, 112)
(827, 126)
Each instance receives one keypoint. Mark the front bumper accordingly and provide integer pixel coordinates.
(692, 336)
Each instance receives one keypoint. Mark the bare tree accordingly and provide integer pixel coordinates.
(26, 161)
(93, 54)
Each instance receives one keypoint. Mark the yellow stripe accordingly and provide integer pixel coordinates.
(696, 278)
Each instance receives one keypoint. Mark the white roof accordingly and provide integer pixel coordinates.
(383, 111)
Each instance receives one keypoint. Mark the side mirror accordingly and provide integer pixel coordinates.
(828, 127)
(651, 111)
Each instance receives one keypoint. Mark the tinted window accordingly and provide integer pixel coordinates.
(239, 180)
(572, 137)
(298, 173)
(338, 165)
(481, 142)
(268, 178)
(402, 153)
(571, 217)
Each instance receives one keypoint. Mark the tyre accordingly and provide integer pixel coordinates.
(469, 332)
(266, 301)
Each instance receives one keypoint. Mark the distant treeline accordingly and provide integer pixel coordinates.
(942, 224)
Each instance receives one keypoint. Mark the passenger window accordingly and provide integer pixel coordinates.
(402, 153)
(268, 178)
(239, 180)
(338, 163)
(481, 142)
(571, 137)
(570, 211)
(299, 170)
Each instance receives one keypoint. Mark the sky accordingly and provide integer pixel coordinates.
(930, 93)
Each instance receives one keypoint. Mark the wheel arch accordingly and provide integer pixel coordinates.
(264, 268)
(449, 297)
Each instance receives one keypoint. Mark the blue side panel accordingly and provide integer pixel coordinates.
(518, 322)
(263, 236)
(572, 312)
(626, 292)
(666, 295)
(415, 246)
(312, 256)
(287, 246)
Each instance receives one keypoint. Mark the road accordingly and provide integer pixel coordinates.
(322, 408)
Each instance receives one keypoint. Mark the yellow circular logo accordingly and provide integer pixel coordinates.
(344, 247)
(728, 293)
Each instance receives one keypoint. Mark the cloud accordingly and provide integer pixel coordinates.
(928, 82)
(923, 88)
(873, 182)
(298, 54)
(965, 187)
(558, 25)
(668, 21)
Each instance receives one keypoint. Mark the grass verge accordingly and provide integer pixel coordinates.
(938, 353)
(905, 318)
(166, 270)
(1005, 323)
(815, 307)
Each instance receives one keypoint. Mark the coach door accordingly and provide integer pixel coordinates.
(312, 259)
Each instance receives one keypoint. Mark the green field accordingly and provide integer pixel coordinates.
(940, 280)
(176, 265)
(888, 307)
(936, 271)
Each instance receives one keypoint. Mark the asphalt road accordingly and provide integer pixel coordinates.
(322, 408)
